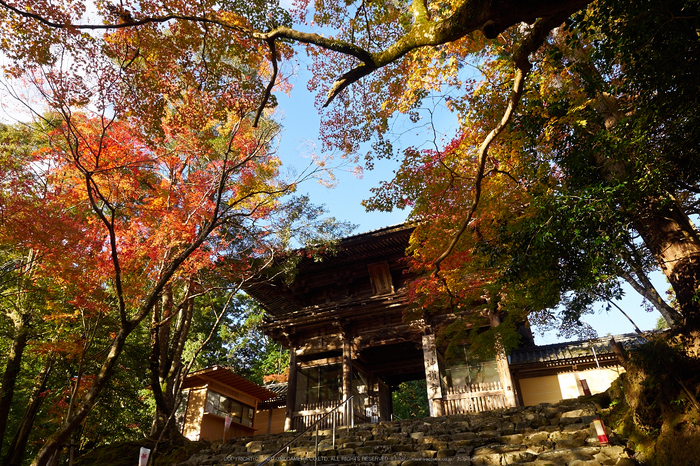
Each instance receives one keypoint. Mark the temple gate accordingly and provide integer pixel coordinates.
(342, 317)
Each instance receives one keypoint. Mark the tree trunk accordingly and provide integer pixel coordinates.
(12, 369)
(163, 329)
(15, 454)
(673, 240)
(663, 225)
(155, 362)
(56, 440)
(165, 361)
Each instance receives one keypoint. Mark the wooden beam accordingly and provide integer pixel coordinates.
(387, 335)
(397, 367)
(355, 309)
(543, 368)
(322, 344)
(321, 362)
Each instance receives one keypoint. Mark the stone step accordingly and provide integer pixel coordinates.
(560, 434)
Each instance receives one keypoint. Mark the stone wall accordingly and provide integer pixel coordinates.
(557, 435)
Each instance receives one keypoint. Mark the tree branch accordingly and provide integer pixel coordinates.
(122, 24)
(348, 78)
(470, 16)
(346, 48)
(268, 89)
(419, 10)
(491, 18)
(520, 58)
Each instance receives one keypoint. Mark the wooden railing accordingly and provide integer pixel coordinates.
(473, 398)
(303, 431)
(310, 413)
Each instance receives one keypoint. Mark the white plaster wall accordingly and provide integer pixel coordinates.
(565, 385)
(570, 388)
(599, 380)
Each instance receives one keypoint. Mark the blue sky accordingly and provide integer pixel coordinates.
(301, 121)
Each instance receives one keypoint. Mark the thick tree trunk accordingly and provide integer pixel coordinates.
(673, 240)
(663, 225)
(12, 369)
(165, 361)
(165, 429)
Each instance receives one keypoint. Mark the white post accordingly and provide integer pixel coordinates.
(143, 456)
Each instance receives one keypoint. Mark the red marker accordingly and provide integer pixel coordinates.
(600, 429)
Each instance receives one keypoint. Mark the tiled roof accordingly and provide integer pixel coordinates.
(572, 351)
(276, 297)
(280, 400)
(228, 378)
(380, 231)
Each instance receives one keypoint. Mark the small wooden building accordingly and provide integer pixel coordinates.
(212, 394)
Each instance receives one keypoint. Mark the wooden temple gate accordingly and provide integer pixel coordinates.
(342, 319)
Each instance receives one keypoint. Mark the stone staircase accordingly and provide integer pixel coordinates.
(557, 435)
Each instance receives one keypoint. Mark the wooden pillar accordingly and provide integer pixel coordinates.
(432, 375)
(291, 390)
(347, 379)
(503, 367)
(518, 391)
(385, 405)
(506, 379)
